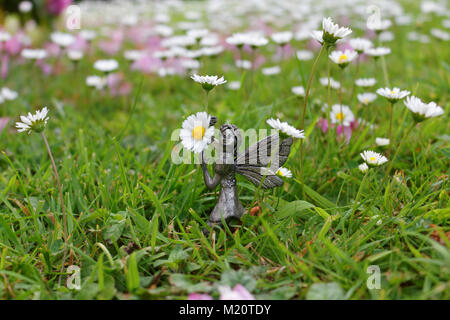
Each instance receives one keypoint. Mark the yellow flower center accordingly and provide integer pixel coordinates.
(198, 132)
(340, 116)
(393, 92)
(343, 58)
(372, 159)
(366, 101)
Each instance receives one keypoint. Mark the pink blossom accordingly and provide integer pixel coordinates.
(147, 64)
(13, 46)
(346, 131)
(53, 50)
(3, 123)
(237, 293)
(4, 70)
(199, 296)
(56, 7)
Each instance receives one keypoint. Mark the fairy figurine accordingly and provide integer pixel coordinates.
(253, 164)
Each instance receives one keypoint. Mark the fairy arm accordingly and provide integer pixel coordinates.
(211, 182)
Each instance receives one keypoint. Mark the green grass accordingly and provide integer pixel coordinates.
(135, 219)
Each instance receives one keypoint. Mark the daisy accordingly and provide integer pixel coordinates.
(62, 39)
(34, 54)
(196, 133)
(197, 33)
(75, 55)
(106, 66)
(8, 94)
(372, 158)
(208, 82)
(342, 59)
(365, 82)
(4, 36)
(422, 111)
(332, 32)
(298, 91)
(304, 55)
(378, 52)
(88, 35)
(363, 167)
(271, 71)
(440, 34)
(284, 172)
(33, 122)
(133, 55)
(190, 64)
(333, 83)
(234, 85)
(282, 38)
(366, 98)
(212, 51)
(244, 64)
(360, 45)
(393, 95)
(378, 25)
(96, 81)
(382, 142)
(285, 128)
(25, 6)
(386, 36)
(341, 114)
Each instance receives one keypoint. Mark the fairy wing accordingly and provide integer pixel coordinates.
(253, 162)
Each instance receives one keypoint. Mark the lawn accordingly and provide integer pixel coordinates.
(135, 220)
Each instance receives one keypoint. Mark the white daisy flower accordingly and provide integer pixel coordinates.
(62, 39)
(332, 32)
(382, 141)
(317, 35)
(271, 71)
(284, 172)
(333, 83)
(196, 133)
(197, 33)
(372, 158)
(341, 114)
(393, 95)
(360, 45)
(282, 38)
(190, 64)
(75, 55)
(342, 59)
(96, 82)
(4, 36)
(285, 128)
(8, 94)
(88, 35)
(33, 122)
(234, 85)
(298, 91)
(244, 64)
(106, 66)
(421, 110)
(25, 6)
(440, 34)
(365, 82)
(378, 52)
(386, 36)
(378, 25)
(208, 82)
(363, 167)
(304, 55)
(366, 98)
(212, 51)
(133, 55)
(34, 54)
(237, 39)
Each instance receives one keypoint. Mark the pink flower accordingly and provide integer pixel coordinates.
(56, 7)
(237, 293)
(13, 46)
(4, 70)
(346, 131)
(3, 123)
(199, 296)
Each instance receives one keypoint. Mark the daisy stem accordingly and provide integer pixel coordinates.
(358, 195)
(308, 87)
(207, 99)
(354, 77)
(391, 162)
(391, 112)
(55, 171)
(341, 80)
(385, 73)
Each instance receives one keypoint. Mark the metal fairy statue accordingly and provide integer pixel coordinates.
(255, 164)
